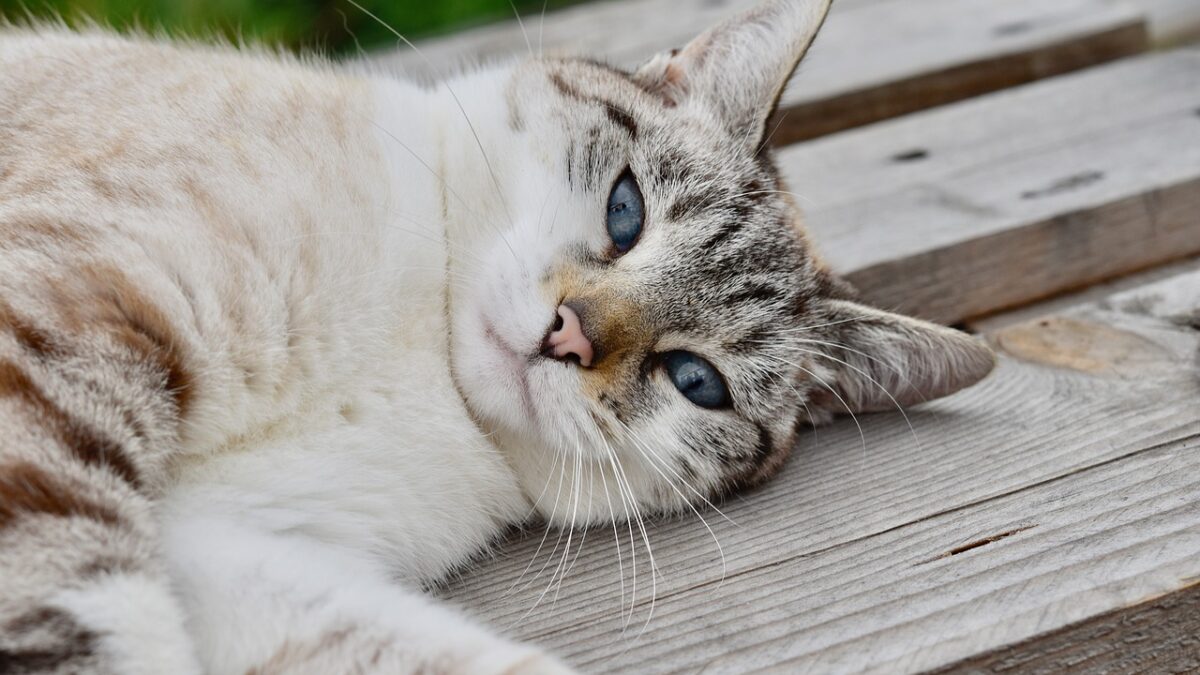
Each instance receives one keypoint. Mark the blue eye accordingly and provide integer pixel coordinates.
(625, 212)
(696, 379)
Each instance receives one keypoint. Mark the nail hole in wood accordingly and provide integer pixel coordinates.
(1014, 28)
(1079, 180)
(911, 155)
(978, 543)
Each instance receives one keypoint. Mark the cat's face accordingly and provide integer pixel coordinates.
(636, 310)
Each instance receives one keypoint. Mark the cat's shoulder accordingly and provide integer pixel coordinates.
(96, 48)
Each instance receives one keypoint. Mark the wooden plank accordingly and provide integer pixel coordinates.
(874, 60)
(1170, 22)
(1063, 487)
(1160, 635)
(997, 322)
(1014, 196)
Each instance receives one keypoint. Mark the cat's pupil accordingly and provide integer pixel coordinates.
(696, 379)
(626, 212)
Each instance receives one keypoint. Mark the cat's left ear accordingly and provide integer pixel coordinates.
(879, 360)
(739, 68)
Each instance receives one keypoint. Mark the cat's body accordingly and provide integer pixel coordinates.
(270, 362)
(327, 319)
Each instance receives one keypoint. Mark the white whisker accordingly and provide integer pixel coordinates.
(521, 23)
(466, 118)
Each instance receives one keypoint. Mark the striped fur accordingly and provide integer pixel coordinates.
(269, 336)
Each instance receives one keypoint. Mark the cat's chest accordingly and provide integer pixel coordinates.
(314, 281)
(352, 430)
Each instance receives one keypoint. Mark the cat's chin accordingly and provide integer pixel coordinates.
(514, 367)
(493, 376)
(520, 399)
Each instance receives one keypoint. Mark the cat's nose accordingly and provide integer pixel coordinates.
(567, 339)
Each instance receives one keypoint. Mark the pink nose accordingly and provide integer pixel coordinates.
(567, 338)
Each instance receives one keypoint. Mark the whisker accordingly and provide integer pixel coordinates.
(521, 23)
(653, 460)
(890, 366)
(441, 179)
(804, 329)
(766, 141)
(616, 537)
(876, 383)
(649, 553)
(562, 565)
(683, 482)
(583, 535)
(545, 533)
(542, 27)
(466, 118)
(550, 556)
(730, 198)
(833, 391)
(629, 504)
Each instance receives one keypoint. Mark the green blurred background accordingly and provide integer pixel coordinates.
(334, 26)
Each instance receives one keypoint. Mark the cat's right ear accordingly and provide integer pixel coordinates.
(738, 69)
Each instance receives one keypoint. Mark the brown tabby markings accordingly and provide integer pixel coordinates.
(615, 113)
(84, 442)
(109, 300)
(72, 643)
(42, 235)
(26, 488)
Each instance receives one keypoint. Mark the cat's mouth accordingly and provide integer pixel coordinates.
(517, 365)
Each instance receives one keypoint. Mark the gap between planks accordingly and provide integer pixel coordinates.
(1159, 634)
(1015, 196)
(872, 61)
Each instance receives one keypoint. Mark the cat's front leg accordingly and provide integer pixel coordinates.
(87, 424)
(271, 604)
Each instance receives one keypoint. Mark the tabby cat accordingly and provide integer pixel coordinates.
(283, 342)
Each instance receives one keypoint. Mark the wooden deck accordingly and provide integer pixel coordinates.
(1047, 520)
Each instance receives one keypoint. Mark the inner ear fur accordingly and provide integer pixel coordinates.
(881, 360)
(738, 69)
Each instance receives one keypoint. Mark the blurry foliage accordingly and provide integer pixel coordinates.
(335, 26)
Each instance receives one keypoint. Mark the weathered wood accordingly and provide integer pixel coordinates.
(1170, 22)
(888, 59)
(1065, 486)
(997, 322)
(1015, 196)
(874, 59)
(1160, 635)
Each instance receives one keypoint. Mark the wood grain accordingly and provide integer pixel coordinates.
(996, 322)
(1159, 635)
(1170, 22)
(1051, 494)
(1015, 196)
(874, 59)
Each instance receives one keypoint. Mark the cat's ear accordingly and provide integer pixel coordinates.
(884, 359)
(739, 68)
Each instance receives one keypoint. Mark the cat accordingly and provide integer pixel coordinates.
(284, 343)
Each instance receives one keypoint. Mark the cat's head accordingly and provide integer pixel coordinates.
(635, 307)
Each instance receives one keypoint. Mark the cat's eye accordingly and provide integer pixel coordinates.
(696, 379)
(626, 213)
